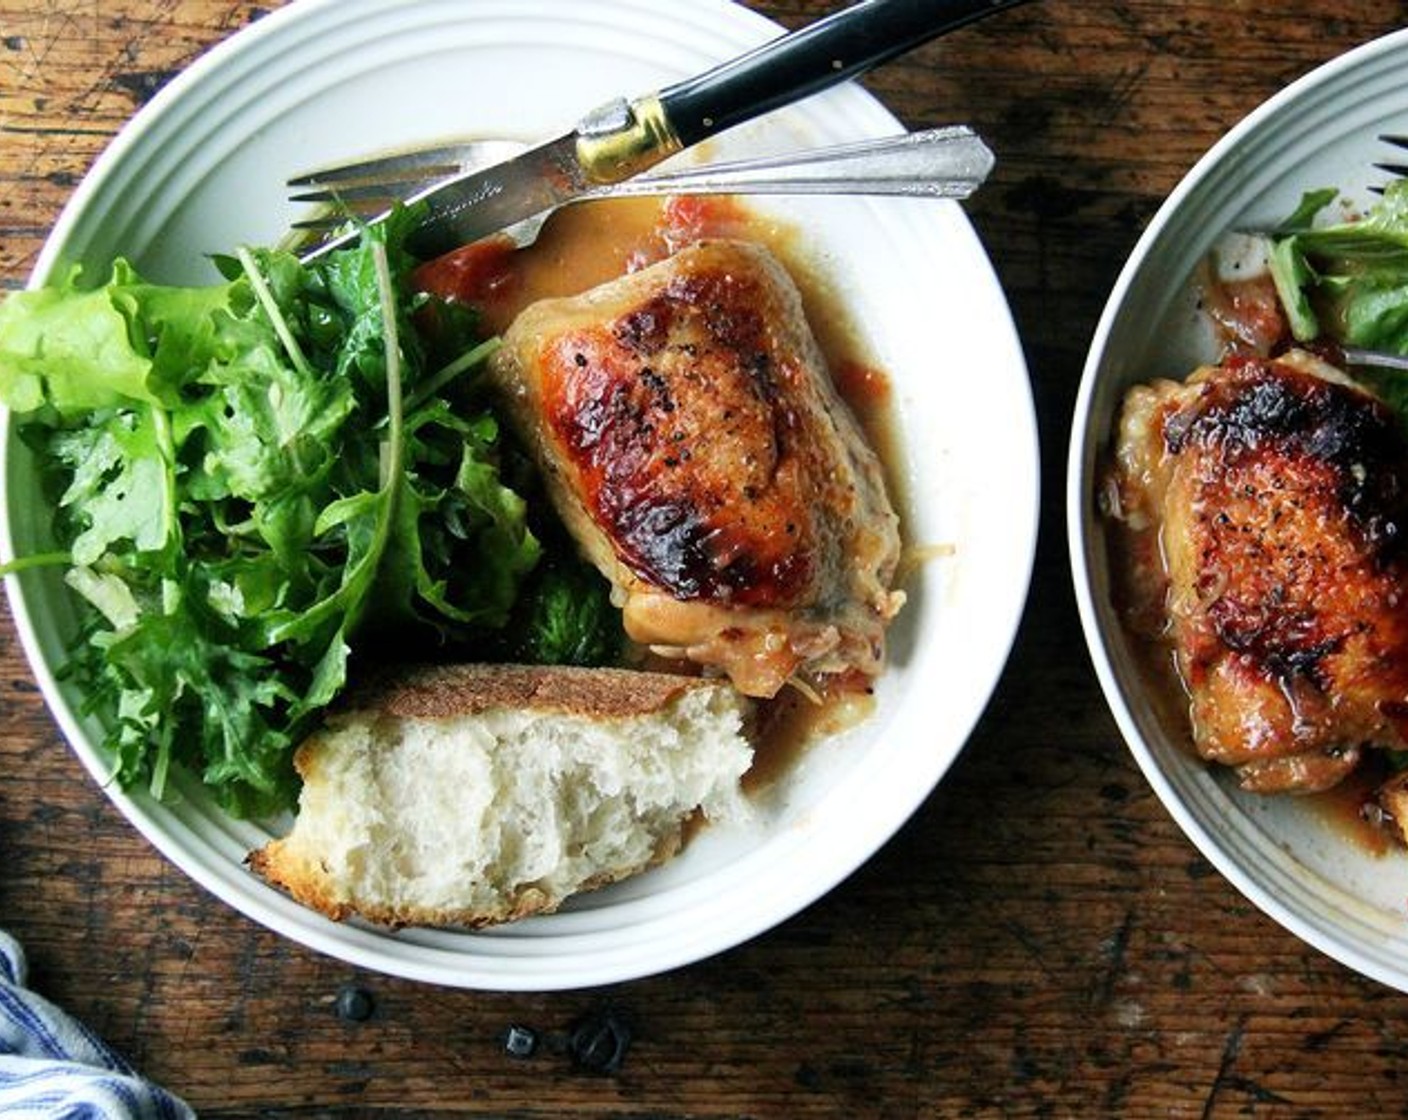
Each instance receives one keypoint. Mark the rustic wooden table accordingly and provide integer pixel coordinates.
(1039, 939)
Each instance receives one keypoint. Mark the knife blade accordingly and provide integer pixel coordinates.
(622, 138)
(464, 208)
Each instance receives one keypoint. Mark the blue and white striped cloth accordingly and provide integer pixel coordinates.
(52, 1067)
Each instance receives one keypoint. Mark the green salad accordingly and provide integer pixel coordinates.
(1347, 281)
(259, 484)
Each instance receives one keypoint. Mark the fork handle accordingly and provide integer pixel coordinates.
(810, 60)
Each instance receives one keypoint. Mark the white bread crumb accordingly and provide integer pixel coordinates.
(474, 795)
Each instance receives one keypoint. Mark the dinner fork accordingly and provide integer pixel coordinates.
(949, 162)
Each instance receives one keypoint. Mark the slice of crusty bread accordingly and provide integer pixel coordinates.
(471, 795)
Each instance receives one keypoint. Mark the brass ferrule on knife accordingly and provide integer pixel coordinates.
(621, 139)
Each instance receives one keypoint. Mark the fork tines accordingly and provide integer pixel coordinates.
(369, 187)
(400, 167)
(1397, 170)
(349, 186)
(398, 175)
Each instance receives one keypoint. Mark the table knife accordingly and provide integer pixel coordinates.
(624, 137)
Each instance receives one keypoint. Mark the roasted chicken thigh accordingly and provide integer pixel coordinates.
(694, 445)
(1266, 504)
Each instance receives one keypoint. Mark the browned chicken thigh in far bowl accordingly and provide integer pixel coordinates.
(695, 447)
(1266, 509)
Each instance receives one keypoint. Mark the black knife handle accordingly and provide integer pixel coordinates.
(807, 61)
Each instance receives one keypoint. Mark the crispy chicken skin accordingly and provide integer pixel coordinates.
(694, 445)
(1267, 507)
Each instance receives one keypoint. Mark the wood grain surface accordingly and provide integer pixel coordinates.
(1039, 940)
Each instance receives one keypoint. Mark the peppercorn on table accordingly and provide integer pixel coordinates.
(1040, 938)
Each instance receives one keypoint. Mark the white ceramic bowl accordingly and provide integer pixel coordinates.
(1284, 854)
(201, 170)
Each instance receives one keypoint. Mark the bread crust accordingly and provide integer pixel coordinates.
(308, 884)
(443, 691)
